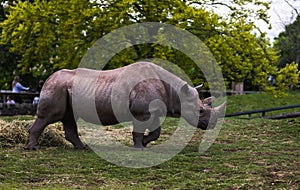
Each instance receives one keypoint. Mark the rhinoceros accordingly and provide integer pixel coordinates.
(141, 92)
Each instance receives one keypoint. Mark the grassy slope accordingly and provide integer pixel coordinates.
(249, 102)
(248, 154)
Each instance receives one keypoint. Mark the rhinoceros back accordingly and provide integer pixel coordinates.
(105, 97)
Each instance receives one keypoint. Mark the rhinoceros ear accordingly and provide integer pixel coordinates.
(198, 88)
(185, 88)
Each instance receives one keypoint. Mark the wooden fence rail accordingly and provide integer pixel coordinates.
(23, 106)
(23, 95)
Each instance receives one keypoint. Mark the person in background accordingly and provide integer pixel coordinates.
(40, 86)
(10, 100)
(35, 100)
(17, 86)
(39, 89)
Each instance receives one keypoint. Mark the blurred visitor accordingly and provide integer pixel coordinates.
(35, 100)
(10, 100)
(17, 86)
(271, 80)
(40, 86)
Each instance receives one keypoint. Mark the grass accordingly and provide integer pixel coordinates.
(241, 103)
(18, 117)
(247, 154)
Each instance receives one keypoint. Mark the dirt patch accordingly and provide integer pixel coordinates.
(106, 134)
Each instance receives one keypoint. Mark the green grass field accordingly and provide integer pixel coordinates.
(247, 154)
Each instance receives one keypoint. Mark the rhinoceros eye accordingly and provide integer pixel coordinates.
(201, 111)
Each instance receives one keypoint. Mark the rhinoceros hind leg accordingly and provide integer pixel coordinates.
(70, 128)
(35, 132)
(152, 136)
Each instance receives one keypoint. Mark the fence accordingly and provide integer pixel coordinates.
(264, 111)
(23, 105)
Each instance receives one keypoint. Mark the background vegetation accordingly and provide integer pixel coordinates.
(247, 154)
(40, 37)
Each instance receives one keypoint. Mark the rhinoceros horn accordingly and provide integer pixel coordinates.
(198, 88)
(220, 110)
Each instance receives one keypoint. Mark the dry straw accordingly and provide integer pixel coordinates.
(16, 132)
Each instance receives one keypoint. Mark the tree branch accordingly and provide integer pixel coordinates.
(294, 8)
(211, 4)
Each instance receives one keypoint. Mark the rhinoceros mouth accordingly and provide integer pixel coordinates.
(202, 125)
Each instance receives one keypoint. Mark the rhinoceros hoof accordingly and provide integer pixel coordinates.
(81, 147)
(140, 148)
(36, 147)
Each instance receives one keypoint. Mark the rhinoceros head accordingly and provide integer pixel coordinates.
(199, 113)
(208, 115)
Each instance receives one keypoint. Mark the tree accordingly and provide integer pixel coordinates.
(50, 35)
(8, 61)
(36, 33)
(288, 44)
(49, 38)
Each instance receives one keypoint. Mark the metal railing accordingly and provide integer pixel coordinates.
(262, 111)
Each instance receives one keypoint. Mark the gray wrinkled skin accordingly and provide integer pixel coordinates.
(143, 103)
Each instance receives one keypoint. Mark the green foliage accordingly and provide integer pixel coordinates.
(8, 61)
(288, 44)
(288, 76)
(244, 57)
(43, 33)
(51, 35)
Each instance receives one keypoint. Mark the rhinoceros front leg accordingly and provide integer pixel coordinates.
(139, 139)
(152, 136)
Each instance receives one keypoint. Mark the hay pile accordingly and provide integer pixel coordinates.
(16, 132)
